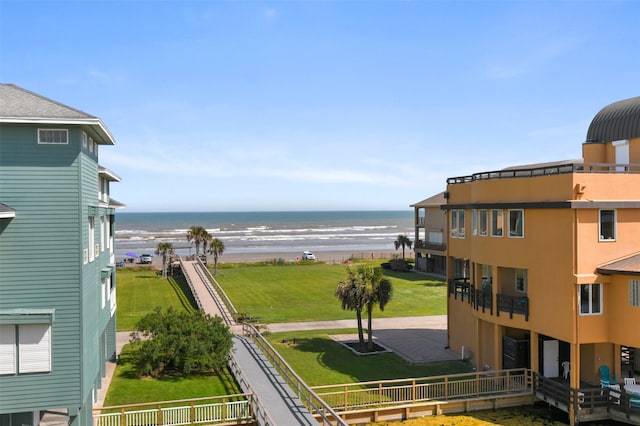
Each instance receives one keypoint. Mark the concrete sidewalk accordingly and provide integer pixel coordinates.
(419, 339)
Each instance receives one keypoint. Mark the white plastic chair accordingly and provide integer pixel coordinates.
(566, 369)
(614, 393)
(629, 380)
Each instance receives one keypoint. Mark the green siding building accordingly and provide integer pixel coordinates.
(57, 262)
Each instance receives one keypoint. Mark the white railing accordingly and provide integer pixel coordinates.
(210, 413)
(353, 396)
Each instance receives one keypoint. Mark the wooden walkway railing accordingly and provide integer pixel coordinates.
(228, 409)
(353, 396)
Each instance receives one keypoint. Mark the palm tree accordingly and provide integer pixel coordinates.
(216, 248)
(164, 249)
(198, 235)
(403, 241)
(377, 291)
(350, 292)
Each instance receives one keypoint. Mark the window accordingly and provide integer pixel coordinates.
(496, 223)
(487, 276)
(607, 225)
(634, 293)
(53, 136)
(102, 233)
(90, 144)
(456, 227)
(84, 140)
(474, 222)
(482, 222)
(453, 224)
(590, 299)
(25, 348)
(92, 228)
(521, 280)
(103, 292)
(516, 223)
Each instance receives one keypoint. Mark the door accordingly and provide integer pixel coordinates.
(550, 358)
(622, 153)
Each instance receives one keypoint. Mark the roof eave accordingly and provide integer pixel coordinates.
(106, 138)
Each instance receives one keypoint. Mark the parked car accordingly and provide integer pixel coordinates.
(307, 255)
(146, 258)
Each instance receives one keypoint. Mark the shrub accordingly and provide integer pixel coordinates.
(173, 342)
(399, 265)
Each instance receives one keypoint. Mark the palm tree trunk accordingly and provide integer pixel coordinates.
(360, 332)
(369, 326)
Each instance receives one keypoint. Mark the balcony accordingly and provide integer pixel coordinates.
(513, 305)
(425, 245)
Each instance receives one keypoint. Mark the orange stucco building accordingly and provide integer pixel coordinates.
(543, 261)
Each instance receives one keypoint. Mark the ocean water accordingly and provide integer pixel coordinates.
(265, 232)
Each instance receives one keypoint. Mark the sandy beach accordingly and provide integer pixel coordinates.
(322, 256)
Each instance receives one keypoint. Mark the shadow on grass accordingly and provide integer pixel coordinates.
(424, 280)
(179, 284)
(370, 367)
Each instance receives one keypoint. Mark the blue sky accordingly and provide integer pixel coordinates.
(322, 105)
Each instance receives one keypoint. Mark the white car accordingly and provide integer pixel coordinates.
(307, 255)
(146, 258)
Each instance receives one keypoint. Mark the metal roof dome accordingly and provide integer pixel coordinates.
(620, 120)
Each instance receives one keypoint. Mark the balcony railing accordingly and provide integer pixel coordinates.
(548, 171)
(483, 299)
(513, 305)
(430, 246)
(459, 287)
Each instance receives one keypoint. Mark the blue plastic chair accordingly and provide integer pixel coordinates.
(605, 376)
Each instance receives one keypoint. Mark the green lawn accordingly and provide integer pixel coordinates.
(140, 290)
(319, 360)
(126, 388)
(305, 292)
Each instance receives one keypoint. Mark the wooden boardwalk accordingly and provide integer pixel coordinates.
(277, 403)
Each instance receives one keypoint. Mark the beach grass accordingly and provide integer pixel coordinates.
(319, 360)
(140, 290)
(126, 388)
(305, 292)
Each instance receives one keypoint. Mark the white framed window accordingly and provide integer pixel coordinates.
(474, 222)
(453, 223)
(457, 224)
(482, 223)
(25, 348)
(634, 293)
(53, 136)
(84, 140)
(516, 223)
(8, 349)
(521, 280)
(607, 225)
(90, 144)
(590, 299)
(497, 223)
(102, 233)
(92, 238)
(103, 292)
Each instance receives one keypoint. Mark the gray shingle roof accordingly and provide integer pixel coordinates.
(620, 120)
(18, 105)
(16, 102)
